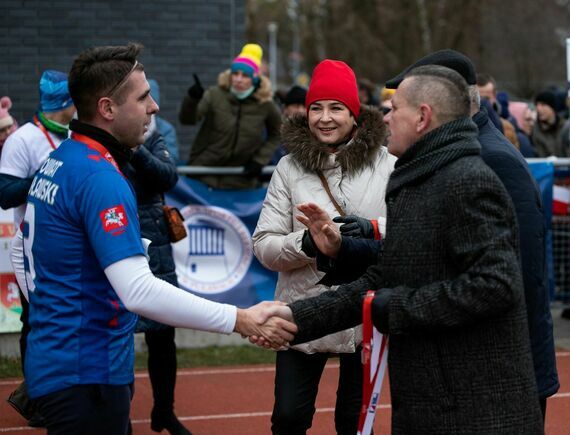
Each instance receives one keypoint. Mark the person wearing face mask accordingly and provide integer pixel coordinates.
(336, 159)
(240, 121)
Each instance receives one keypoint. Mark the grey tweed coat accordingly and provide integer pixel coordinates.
(449, 294)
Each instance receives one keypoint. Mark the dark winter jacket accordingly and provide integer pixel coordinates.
(450, 295)
(515, 175)
(513, 171)
(13, 190)
(152, 172)
(554, 141)
(234, 132)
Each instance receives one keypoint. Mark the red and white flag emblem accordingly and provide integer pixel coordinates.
(114, 218)
(560, 200)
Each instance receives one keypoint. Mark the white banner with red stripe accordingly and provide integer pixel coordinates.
(374, 362)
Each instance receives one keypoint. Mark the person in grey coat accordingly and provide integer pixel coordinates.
(513, 171)
(448, 283)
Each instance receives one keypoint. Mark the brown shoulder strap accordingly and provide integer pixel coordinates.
(325, 184)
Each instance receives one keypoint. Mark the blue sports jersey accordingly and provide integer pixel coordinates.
(80, 218)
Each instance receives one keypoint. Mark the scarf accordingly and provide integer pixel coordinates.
(243, 94)
(433, 151)
(52, 126)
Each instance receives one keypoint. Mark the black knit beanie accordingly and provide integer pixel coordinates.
(547, 98)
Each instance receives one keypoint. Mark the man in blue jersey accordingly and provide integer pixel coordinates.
(83, 266)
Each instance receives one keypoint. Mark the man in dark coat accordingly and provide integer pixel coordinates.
(449, 287)
(513, 171)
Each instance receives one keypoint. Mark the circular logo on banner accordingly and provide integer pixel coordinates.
(217, 253)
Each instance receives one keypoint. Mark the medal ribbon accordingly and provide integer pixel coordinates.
(44, 131)
(94, 145)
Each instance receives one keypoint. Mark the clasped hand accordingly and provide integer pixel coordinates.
(267, 324)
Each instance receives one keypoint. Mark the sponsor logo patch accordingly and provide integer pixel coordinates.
(114, 219)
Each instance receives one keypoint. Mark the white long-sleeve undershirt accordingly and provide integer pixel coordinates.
(143, 293)
(17, 257)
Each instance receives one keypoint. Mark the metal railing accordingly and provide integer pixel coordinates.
(219, 170)
(560, 224)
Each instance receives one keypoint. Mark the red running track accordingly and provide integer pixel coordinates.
(238, 401)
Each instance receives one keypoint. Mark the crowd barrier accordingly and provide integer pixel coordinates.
(216, 259)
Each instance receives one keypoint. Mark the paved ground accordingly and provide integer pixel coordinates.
(238, 400)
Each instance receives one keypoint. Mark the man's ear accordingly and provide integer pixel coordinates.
(106, 108)
(425, 115)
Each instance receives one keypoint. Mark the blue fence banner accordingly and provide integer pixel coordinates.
(216, 260)
(544, 176)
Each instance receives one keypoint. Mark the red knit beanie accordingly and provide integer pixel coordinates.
(334, 80)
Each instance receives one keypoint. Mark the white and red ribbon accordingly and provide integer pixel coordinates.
(374, 362)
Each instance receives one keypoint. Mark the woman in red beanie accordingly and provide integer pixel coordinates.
(337, 160)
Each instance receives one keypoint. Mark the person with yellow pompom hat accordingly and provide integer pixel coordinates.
(240, 121)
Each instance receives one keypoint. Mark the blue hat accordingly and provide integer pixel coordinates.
(54, 93)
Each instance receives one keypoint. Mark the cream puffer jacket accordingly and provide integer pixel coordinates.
(357, 175)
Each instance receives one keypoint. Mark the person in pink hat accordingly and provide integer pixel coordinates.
(336, 159)
(239, 121)
(8, 124)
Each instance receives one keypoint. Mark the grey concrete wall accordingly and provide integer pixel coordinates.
(180, 36)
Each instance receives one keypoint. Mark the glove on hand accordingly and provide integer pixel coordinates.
(196, 91)
(252, 168)
(355, 226)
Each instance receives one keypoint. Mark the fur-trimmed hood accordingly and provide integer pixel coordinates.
(263, 94)
(356, 154)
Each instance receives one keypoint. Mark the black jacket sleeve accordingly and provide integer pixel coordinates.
(333, 311)
(354, 257)
(13, 190)
(154, 167)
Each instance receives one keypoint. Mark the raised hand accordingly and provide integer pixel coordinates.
(196, 90)
(324, 232)
(273, 321)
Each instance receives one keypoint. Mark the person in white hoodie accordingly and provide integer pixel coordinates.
(337, 160)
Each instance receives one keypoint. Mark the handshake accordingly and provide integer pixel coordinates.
(267, 324)
(271, 324)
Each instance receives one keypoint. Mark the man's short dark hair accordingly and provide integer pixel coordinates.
(102, 72)
(483, 79)
(441, 87)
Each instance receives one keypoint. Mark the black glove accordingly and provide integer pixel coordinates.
(355, 226)
(308, 245)
(196, 91)
(252, 168)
